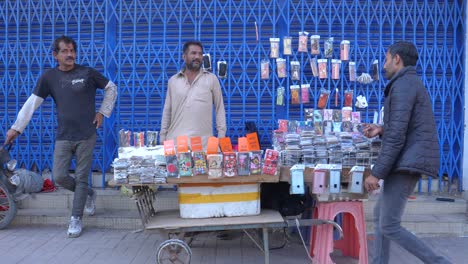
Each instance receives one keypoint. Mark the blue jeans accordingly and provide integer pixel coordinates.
(63, 154)
(387, 221)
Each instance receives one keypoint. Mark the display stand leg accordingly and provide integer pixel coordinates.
(266, 246)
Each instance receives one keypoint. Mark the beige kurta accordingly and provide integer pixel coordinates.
(188, 109)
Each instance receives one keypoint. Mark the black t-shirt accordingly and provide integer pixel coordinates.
(74, 93)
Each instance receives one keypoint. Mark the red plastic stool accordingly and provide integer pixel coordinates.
(354, 242)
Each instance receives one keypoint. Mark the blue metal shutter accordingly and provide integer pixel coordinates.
(137, 44)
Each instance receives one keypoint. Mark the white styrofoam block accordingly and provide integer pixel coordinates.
(219, 210)
(219, 200)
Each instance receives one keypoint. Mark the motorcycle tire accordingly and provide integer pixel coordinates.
(7, 206)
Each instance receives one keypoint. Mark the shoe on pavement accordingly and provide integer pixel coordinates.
(90, 207)
(75, 226)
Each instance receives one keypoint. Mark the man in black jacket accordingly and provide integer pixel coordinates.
(410, 147)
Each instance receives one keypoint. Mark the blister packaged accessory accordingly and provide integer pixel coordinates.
(287, 50)
(243, 163)
(336, 65)
(185, 163)
(222, 69)
(327, 114)
(295, 94)
(347, 126)
(229, 164)
(152, 138)
(139, 139)
(328, 47)
(364, 78)
(265, 69)
(322, 67)
(295, 70)
(352, 71)
(348, 96)
(270, 163)
(280, 96)
(207, 61)
(125, 138)
(318, 128)
(344, 50)
(361, 102)
(313, 67)
(375, 70)
(303, 41)
(172, 166)
(215, 167)
(305, 93)
(256, 162)
(336, 126)
(356, 117)
(323, 98)
(283, 125)
(199, 163)
(315, 44)
(346, 113)
(274, 47)
(327, 127)
(281, 67)
(318, 115)
(336, 115)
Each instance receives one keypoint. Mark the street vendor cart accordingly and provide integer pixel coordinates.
(175, 249)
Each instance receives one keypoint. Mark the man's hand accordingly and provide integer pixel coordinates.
(98, 120)
(10, 136)
(372, 130)
(371, 183)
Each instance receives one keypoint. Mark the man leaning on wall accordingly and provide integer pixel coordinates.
(73, 89)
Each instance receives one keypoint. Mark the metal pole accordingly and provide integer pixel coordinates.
(465, 143)
(266, 247)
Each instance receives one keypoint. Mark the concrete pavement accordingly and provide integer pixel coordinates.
(49, 244)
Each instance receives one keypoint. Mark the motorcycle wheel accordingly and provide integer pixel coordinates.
(7, 206)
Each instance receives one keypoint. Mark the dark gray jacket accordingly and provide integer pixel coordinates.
(409, 141)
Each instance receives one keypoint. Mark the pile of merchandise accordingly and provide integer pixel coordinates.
(136, 165)
(326, 137)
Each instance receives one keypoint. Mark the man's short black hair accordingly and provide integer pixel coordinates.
(190, 43)
(407, 52)
(64, 39)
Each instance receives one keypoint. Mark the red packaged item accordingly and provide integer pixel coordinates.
(295, 94)
(348, 98)
(305, 93)
(270, 163)
(323, 99)
(229, 164)
(283, 125)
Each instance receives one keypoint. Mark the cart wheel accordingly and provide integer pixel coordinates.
(173, 251)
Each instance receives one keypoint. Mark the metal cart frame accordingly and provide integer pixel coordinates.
(171, 222)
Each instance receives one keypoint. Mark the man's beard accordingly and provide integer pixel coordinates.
(388, 75)
(194, 67)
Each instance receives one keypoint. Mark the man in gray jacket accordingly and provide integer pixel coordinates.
(410, 147)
